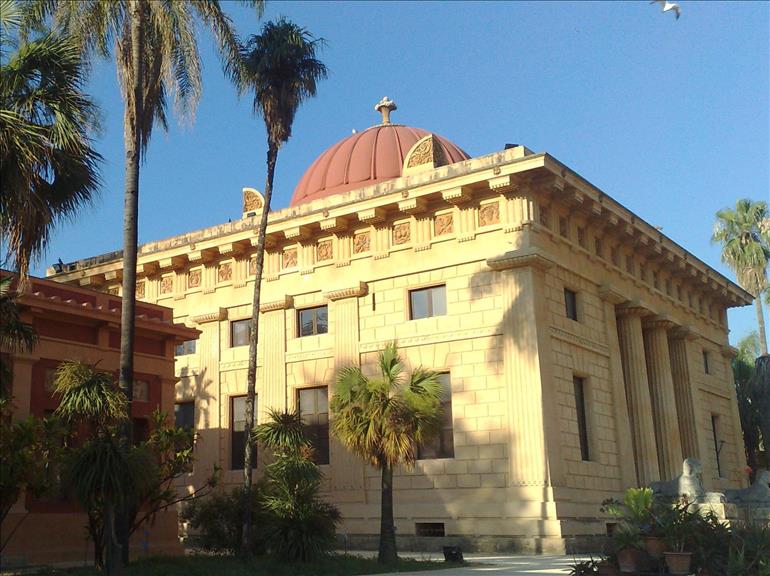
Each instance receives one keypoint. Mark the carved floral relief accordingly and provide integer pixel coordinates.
(489, 214)
(443, 224)
(289, 258)
(166, 284)
(251, 201)
(361, 243)
(324, 250)
(194, 279)
(140, 290)
(225, 272)
(401, 233)
(428, 151)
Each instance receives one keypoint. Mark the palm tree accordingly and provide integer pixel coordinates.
(384, 420)
(281, 69)
(745, 240)
(15, 334)
(48, 167)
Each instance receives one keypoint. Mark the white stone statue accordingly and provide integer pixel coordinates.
(758, 494)
(689, 484)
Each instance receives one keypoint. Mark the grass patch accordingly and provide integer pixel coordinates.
(336, 565)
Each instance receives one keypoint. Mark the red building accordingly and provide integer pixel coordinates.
(79, 324)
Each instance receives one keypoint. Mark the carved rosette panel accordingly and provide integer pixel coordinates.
(443, 224)
(402, 233)
(489, 214)
(194, 279)
(324, 250)
(289, 259)
(114, 290)
(140, 290)
(361, 243)
(225, 272)
(251, 201)
(166, 284)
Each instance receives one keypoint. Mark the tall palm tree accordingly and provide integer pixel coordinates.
(281, 69)
(15, 334)
(746, 249)
(384, 420)
(48, 167)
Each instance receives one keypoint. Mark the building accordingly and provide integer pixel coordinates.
(73, 323)
(582, 350)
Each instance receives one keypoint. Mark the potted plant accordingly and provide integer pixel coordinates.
(628, 541)
(583, 568)
(607, 566)
(711, 545)
(679, 526)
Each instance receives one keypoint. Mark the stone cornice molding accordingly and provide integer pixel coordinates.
(283, 304)
(529, 257)
(349, 292)
(633, 308)
(337, 224)
(216, 316)
(683, 333)
(372, 215)
(659, 321)
(458, 195)
(609, 294)
(728, 351)
(172, 263)
(413, 205)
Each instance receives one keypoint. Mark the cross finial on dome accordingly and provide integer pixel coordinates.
(385, 107)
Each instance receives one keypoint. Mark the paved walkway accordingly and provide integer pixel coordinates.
(497, 565)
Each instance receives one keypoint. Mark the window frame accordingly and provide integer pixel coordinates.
(321, 451)
(574, 313)
(706, 362)
(233, 323)
(580, 389)
(186, 404)
(186, 348)
(430, 309)
(240, 459)
(443, 451)
(315, 331)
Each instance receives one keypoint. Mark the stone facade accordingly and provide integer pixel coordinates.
(586, 351)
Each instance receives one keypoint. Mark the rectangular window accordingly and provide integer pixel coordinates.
(240, 332)
(184, 415)
(185, 348)
(429, 529)
(718, 442)
(598, 248)
(706, 367)
(563, 227)
(314, 407)
(581, 234)
(427, 302)
(582, 420)
(238, 433)
(141, 429)
(570, 304)
(442, 445)
(313, 321)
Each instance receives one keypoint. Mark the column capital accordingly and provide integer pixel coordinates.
(283, 304)
(360, 289)
(682, 333)
(611, 295)
(659, 321)
(215, 316)
(532, 257)
(633, 308)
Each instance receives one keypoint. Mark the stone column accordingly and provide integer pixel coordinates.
(347, 469)
(638, 391)
(662, 394)
(623, 436)
(273, 356)
(683, 391)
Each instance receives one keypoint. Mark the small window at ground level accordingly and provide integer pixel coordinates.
(427, 302)
(314, 407)
(238, 433)
(185, 348)
(430, 529)
(313, 321)
(442, 445)
(184, 415)
(240, 331)
(570, 303)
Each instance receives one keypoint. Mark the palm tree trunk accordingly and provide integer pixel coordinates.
(761, 324)
(762, 394)
(387, 553)
(132, 142)
(251, 379)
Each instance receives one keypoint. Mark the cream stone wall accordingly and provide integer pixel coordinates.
(505, 234)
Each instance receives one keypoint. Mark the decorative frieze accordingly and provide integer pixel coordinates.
(167, 284)
(324, 250)
(140, 290)
(443, 224)
(289, 258)
(194, 278)
(362, 242)
(402, 233)
(489, 214)
(225, 272)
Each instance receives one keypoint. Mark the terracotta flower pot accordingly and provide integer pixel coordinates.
(628, 560)
(606, 568)
(655, 546)
(678, 562)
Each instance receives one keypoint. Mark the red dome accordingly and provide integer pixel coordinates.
(369, 157)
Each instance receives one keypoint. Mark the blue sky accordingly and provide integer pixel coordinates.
(669, 117)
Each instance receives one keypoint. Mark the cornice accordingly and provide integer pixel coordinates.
(361, 289)
(283, 304)
(526, 257)
(216, 316)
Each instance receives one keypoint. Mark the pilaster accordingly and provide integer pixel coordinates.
(664, 411)
(683, 390)
(274, 391)
(638, 392)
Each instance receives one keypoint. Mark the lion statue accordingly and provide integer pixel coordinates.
(757, 494)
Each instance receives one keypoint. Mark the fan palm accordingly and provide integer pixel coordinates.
(745, 240)
(384, 420)
(48, 167)
(281, 69)
(15, 335)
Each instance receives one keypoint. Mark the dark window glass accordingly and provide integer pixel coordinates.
(570, 302)
(442, 445)
(185, 348)
(314, 407)
(141, 429)
(718, 443)
(580, 405)
(238, 433)
(240, 330)
(313, 321)
(184, 415)
(706, 367)
(427, 302)
(430, 529)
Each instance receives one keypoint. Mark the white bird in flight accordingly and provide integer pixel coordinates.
(669, 6)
